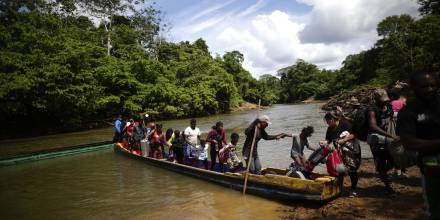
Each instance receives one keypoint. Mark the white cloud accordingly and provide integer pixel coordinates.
(343, 20)
(253, 8)
(210, 10)
(270, 41)
(195, 28)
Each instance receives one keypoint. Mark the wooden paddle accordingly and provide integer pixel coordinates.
(252, 151)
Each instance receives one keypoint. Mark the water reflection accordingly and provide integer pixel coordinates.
(104, 185)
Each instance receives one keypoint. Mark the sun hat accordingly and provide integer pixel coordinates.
(381, 95)
(264, 118)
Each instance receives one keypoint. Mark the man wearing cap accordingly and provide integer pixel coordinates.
(258, 125)
(378, 118)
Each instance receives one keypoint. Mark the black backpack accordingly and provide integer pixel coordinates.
(138, 132)
(361, 126)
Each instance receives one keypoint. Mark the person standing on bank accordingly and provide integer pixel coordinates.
(378, 116)
(216, 138)
(418, 124)
(340, 130)
(258, 125)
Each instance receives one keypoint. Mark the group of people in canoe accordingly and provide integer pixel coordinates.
(398, 135)
(145, 137)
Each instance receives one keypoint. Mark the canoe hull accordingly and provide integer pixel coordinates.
(271, 190)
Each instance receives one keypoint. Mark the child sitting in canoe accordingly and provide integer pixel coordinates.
(228, 155)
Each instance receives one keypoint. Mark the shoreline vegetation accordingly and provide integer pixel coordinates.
(61, 72)
(27, 145)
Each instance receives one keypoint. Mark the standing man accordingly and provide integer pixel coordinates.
(191, 136)
(217, 138)
(118, 129)
(378, 116)
(418, 125)
(258, 125)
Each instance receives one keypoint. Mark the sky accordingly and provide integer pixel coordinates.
(273, 34)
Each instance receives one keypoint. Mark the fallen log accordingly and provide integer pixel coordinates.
(349, 101)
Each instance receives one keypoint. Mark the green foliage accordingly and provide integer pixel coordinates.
(299, 81)
(55, 71)
(429, 7)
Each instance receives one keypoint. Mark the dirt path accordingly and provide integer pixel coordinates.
(372, 201)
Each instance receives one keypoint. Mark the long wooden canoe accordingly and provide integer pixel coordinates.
(274, 184)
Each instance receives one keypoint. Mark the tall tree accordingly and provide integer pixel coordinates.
(429, 7)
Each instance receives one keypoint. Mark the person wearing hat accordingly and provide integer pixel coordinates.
(258, 125)
(378, 116)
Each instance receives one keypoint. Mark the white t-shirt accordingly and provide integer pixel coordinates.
(191, 135)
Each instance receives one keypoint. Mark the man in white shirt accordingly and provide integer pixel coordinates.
(192, 137)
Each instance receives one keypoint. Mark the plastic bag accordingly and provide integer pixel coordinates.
(201, 153)
(334, 164)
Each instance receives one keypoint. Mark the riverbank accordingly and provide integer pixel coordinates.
(25, 146)
(312, 100)
(372, 201)
(246, 106)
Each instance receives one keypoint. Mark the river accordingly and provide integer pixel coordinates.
(104, 185)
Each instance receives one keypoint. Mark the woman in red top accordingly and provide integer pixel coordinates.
(216, 138)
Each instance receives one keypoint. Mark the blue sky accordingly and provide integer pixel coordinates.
(273, 34)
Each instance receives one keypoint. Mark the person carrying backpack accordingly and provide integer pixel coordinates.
(339, 133)
(378, 117)
(137, 135)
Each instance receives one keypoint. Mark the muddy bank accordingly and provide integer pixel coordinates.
(247, 106)
(372, 201)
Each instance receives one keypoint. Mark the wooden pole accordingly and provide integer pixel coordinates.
(252, 151)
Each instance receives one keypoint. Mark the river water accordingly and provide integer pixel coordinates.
(104, 185)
